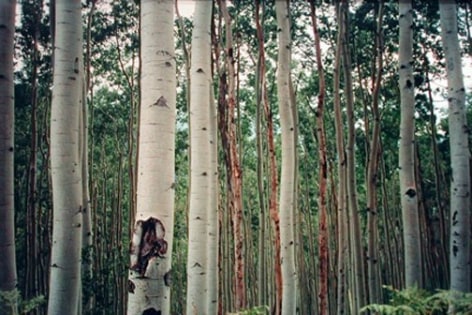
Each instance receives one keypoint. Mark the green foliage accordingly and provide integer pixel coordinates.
(10, 298)
(416, 301)
(256, 310)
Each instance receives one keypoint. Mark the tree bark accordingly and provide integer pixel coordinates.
(323, 174)
(408, 189)
(151, 246)
(459, 250)
(198, 299)
(352, 198)
(287, 192)
(8, 278)
(66, 160)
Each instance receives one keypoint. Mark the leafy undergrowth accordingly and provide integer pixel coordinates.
(414, 301)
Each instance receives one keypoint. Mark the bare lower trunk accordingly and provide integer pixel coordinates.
(151, 246)
(8, 281)
(459, 251)
(287, 180)
(66, 161)
(408, 190)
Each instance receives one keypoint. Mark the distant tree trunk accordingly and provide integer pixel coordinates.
(198, 299)
(342, 222)
(373, 259)
(8, 278)
(66, 161)
(408, 189)
(459, 251)
(234, 169)
(323, 173)
(273, 176)
(358, 279)
(151, 245)
(287, 193)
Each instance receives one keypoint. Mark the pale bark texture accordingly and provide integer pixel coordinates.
(8, 279)
(66, 160)
(406, 158)
(459, 251)
(212, 245)
(287, 195)
(198, 298)
(151, 246)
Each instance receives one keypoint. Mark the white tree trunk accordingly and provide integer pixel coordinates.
(151, 245)
(460, 260)
(408, 191)
(7, 224)
(66, 164)
(213, 211)
(287, 198)
(201, 170)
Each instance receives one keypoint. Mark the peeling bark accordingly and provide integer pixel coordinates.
(147, 243)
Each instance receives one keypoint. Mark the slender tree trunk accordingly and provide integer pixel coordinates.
(234, 171)
(287, 193)
(198, 299)
(213, 240)
(373, 259)
(459, 250)
(354, 229)
(66, 160)
(151, 244)
(323, 174)
(409, 199)
(273, 180)
(8, 280)
(342, 222)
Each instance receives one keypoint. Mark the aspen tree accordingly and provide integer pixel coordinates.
(151, 245)
(408, 191)
(66, 160)
(198, 298)
(8, 279)
(357, 256)
(287, 193)
(459, 247)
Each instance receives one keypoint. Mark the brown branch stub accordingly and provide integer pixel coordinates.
(147, 242)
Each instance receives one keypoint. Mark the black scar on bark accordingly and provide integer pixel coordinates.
(131, 286)
(151, 311)
(150, 234)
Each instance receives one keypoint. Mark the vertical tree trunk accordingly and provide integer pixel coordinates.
(408, 190)
(151, 245)
(323, 173)
(287, 198)
(198, 299)
(373, 259)
(273, 179)
(459, 251)
(8, 278)
(354, 229)
(66, 161)
(234, 170)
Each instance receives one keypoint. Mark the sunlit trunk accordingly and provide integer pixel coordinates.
(66, 160)
(287, 193)
(459, 250)
(201, 172)
(408, 190)
(151, 245)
